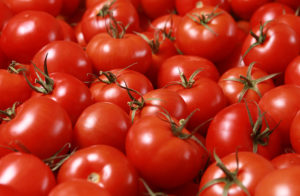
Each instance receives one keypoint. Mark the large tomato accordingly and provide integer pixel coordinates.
(103, 165)
(206, 32)
(292, 72)
(27, 174)
(26, 33)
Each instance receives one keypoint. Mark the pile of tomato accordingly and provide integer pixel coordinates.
(149, 97)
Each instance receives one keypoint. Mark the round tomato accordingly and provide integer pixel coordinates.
(286, 160)
(292, 72)
(68, 32)
(155, 8)
(245, 8)
(291, 20)
(5, 15)
(293, 3)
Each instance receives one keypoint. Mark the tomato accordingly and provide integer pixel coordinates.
(286, 160)
(104, 52)
(13, 85)
(245, 83)
(68, 32)
(279, 182)
(268, 12)
(292, 72)
(291, 20)
(97, 18)
(169, 71)
(107, 88)
(79, 35)
(103, 165)
(5, 15)
(78, 188)
(248, 171)
(26, 33)
(40, 126)
(273, 46)
(295, 132)
(282, 104)
(292, 3)
(160, 156)
(27, 174)
(64, 56)
(209, 30)
(50, 6)
(102, 123)
(246, 128)
(69, 7)
(156, 8)
(7, 190)
(245, 8)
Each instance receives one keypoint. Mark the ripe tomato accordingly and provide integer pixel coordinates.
(295, 132)
(280, 182)
(292, 72)
(209, 30)
(160, 156)
(286, 160)
(26, 33)
(7, 190)
(64, 56)
(78, 187)
(247, 172)
(292, 3)
(5, 15)
(27, 174)
(79, 35)
(40, 125)
(68, 32)
(103, 165)
(102, 123)
(155, 8)
(245, 8)
(291, 20)
(246, 128)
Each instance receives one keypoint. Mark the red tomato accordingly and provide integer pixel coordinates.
(155, 8)
(104, 52)
(8, 191)
(160, 156)
(26, 33)
(245, 83)
(293, 3)
(282, 104)
(292, 72)
(248, 171)
(50, 6)
(273, 46)
(102, 123)
(280, 182)
(27, 174)
(5, 14)
(268, 12)
(295, 132)
(40, 125)
(78, 188)
(64, 56)
(208, 30)
(103, 165)
(246, 128)
(245, 8)
(107, 88)
(68, 32)
(171, 68)
(79, 35)
(291, 20)
(97, 18)
(286, 160)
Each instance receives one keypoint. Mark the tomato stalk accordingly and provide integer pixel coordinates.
(154, 43)
(149, 191)
(250, 83)
(230, 178)
(13, 68)
(186, 83)
(9, 113)
(106, 9)
(116, 29)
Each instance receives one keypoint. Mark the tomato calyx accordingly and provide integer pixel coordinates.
(204, 19)
(150, 192)
(116, 29)
(110, 77)
(105, 10)
(93, 177)
(9, 113)
(16, 68)
(186, 83)
(250, 83)
(258, 136)
(230, 178)
(153, 43)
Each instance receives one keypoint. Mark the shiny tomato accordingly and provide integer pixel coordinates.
(27, 174)
(103, 165)
(245, 8)
(209, 30)
(68, 32)
(5, 15)
(26, 33)
(245, 172)
(291, 20)
(102, 123)
(79, 35)
(292, 3)
(78, 187)
(7, 190)
(286, 160)
(292, 72)
(156, 8)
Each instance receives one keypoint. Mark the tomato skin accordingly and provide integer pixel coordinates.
(102, 92)
(282, 104)
(272, 184)
(170, 69)
(232, 89)
(102, 123)
(291, 20)
(168, 166)
(79, 35)
(205, 43)
(292, 72)
(268, 12)
(68, 32)
(38, 122)
(252, 168)
(244, 8)
(21, 45)
(104, 52)
(295, 132)
(78, 188)
(278, 49)
(7, 190)
(14, 87)
(286, 160)
(231, 129)
(110, 164)
(292, 3)
(27, 174)
(5, 15)
(155, 8)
